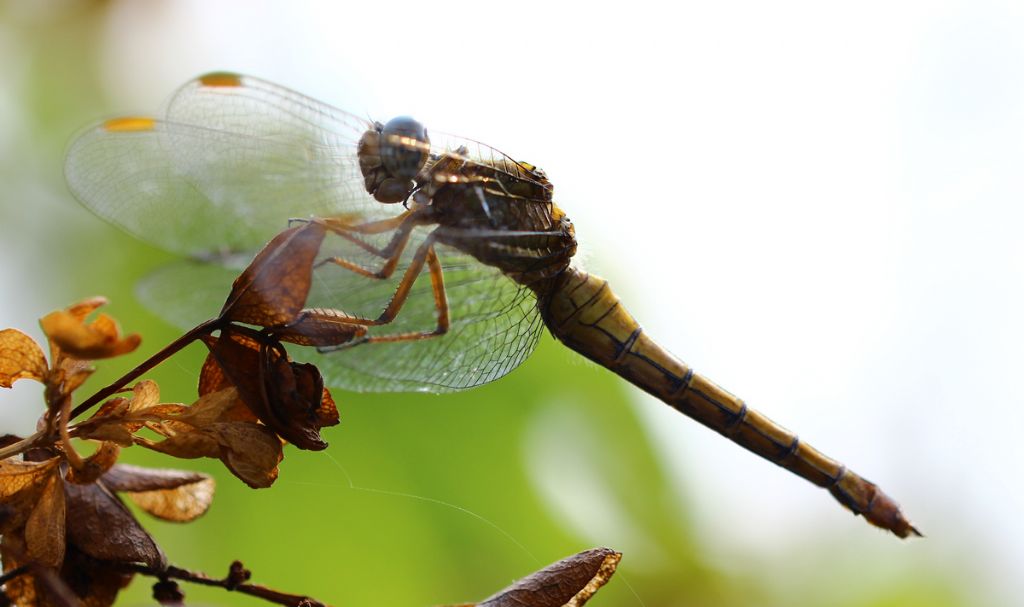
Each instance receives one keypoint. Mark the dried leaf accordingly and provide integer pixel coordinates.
(20, 358)
(288, 397)
(211, 407)
(75, 373)
(186, 445)
(145, 394)
(172, 495)
(126, 477)
(95, 582)
(109, 424)
(96, 464)
(21, 484)
(22, 589)
(273, 289)
(44, 531)
(86, 307)
(568, 583)
(212, 379)
(82, 581)
(90, 341)
(101, 526)
(250, 451)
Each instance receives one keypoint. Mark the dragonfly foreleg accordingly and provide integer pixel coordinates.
(391, 252)
(425, 255)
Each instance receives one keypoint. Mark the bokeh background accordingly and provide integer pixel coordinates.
(818, 205)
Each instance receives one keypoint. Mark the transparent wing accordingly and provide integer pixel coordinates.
(234, 158)
(495, 324)
(195, 191)
(257, 108)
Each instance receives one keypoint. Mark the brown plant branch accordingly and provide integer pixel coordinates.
(204, 328)
(235, 581)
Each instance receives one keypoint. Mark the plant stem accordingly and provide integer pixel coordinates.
(195, 333)
(267, 594)
(20, 447)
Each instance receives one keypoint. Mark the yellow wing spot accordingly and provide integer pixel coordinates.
(129, 123)
(220, 79)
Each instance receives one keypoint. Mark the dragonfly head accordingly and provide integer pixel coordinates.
(404, 147)
(390, 157)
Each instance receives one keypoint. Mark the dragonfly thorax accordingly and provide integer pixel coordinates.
(391, 155)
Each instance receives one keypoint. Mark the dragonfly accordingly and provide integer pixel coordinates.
(450, 256)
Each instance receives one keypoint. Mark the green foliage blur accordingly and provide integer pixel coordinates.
(420, 499)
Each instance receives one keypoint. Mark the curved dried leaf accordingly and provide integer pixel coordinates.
(44, 531)
(179, 504)
(145, 394)
(186, 445)
(569, 582)
(109, 423)
(250, 451)
(96, 464)
(101, 526)
(75, 373)
(21, 590)
(273, 289)
(211, 407)
(173, 495)
(126, 477)
(84, 308)
(20, 358)
(90, 341)
(288, 397)
(21, 484)
(213, 379)
(95, 582)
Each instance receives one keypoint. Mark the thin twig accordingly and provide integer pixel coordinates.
(230, 583)
(21, 446)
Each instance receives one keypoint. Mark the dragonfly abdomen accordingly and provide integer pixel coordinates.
(581, 311)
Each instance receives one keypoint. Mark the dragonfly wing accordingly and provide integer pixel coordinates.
(495, 323)
(195, 191)
(494, 326)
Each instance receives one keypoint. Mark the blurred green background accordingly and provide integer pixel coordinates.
(422, 499)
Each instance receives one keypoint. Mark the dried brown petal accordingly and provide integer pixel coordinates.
(273, 289)
(44, 531)
(20, 358)
(96, 464)
(101, 526)
(172, 495)
(21, 484)
(90, 341)
(568, 583)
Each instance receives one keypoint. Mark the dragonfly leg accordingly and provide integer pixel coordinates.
(425, 255)
(440, 302)
(392, 252)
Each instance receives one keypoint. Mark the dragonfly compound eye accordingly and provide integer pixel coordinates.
(404, 147)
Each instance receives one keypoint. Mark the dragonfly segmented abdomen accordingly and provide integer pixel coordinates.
(581, 311)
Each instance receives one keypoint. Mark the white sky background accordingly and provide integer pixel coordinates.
(816, 204)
